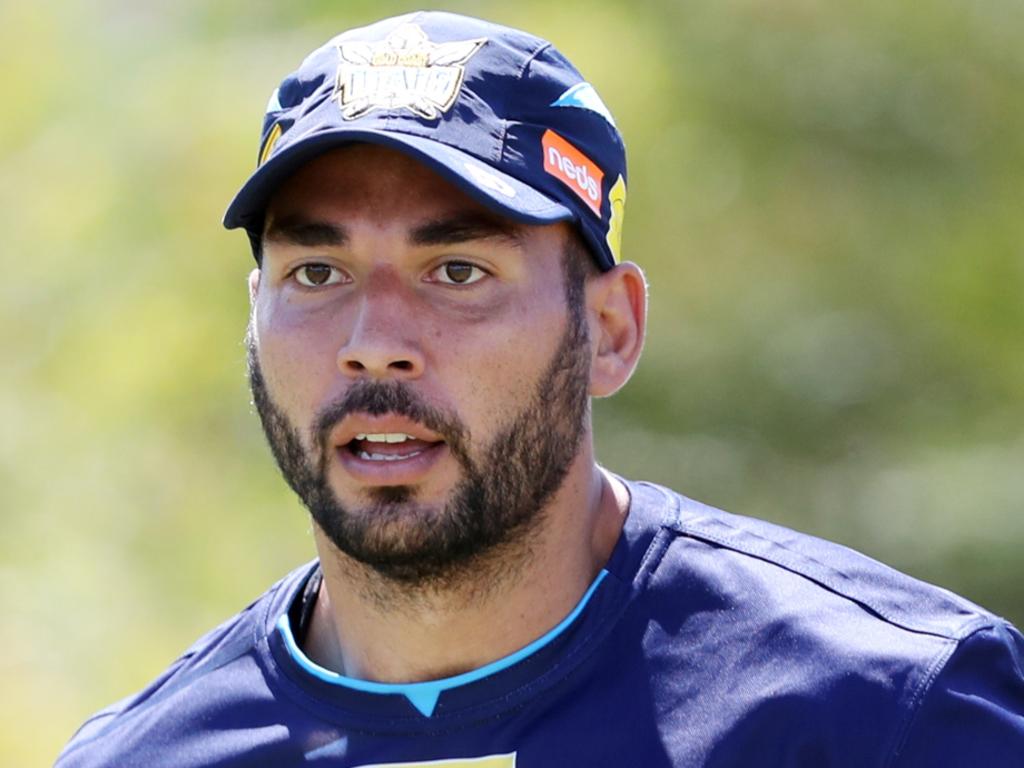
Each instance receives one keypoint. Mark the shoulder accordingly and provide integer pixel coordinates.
(714, 545)
(190, 686)
(802, 636)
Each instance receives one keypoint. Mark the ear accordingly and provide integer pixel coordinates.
(254, 285)
(617, 311)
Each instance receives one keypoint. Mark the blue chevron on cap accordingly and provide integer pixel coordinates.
(584, 96)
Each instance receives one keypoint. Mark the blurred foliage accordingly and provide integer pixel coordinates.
(826, 198)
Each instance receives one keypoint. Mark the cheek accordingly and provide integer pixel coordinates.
(493, 367)
(297, 360)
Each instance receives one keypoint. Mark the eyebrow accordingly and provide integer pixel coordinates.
(465, 227)
(457, 228)
(295, 230)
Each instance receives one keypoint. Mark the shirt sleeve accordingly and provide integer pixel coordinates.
(973, 713)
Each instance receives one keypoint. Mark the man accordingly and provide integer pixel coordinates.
(436, 220)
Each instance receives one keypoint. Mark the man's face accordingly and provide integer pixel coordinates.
(420, 366)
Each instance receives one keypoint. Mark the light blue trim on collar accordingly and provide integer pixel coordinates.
(424, 695)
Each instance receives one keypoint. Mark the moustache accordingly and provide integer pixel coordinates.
(378, 398)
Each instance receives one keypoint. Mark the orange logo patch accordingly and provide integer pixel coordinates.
(574, 169)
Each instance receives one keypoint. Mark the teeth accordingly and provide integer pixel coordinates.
(386, 457)
(385, 437)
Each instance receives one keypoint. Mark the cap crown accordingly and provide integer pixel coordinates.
(499, 111)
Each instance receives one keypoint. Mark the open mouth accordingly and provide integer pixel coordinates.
(387, 449)
(388, 446)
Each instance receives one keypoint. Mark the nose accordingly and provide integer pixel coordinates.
(383, 342)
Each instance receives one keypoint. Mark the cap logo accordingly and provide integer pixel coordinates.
(574, 169)
(488, 180)
(617, 203)
(404, 71)
(268, 145)
(583, 96)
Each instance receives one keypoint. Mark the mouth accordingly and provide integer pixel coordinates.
(388, 446)
(387, 450)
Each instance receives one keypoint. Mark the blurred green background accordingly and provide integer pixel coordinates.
(826, 198)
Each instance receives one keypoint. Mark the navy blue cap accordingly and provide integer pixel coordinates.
(499, 112)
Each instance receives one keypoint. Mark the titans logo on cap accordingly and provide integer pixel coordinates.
(404, 71)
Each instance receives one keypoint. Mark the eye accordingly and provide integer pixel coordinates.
(317, 275)
(458, 273)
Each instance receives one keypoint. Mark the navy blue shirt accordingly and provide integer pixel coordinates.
(708, 640)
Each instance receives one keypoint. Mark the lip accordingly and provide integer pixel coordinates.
(363, 423)
(398, 472)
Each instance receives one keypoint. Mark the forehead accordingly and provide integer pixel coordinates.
(375, 182)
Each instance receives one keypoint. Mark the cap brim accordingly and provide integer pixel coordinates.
(494, 189)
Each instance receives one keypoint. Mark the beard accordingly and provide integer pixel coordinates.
(502, 491)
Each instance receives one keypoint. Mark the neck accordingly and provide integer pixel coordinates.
(369, 628)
